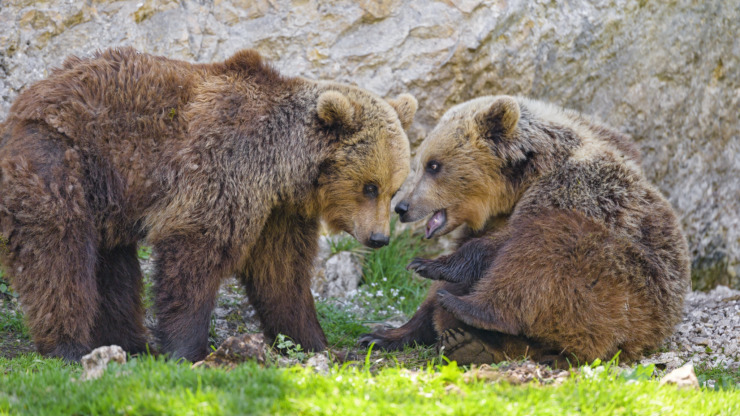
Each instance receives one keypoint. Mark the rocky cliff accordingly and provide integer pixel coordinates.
(666, 72)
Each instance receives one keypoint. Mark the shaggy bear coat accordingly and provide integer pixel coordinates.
(568, 253)
(223, 168)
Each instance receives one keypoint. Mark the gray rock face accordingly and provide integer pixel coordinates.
(665, 72)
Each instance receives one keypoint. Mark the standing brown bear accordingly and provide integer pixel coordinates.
(224, 168)
(568, 252)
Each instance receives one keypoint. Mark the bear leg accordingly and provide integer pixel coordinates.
(467, 346)
(571, 283)
(420, 329)
(121, 318)
(466, 265)
(471, 311)
(187, 277)
(277, 279)
(51, 249)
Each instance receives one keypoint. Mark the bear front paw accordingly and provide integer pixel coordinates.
(426, 268)
(378, 339)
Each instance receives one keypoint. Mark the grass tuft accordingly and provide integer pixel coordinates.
(342, 327)
(387, 286)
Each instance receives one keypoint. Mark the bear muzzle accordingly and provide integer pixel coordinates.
(401, 209)
(378, 240)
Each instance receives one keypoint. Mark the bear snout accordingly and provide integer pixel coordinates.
(378, 240)
(401, 209)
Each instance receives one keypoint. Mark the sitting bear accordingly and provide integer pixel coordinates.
(567, 253)
(224, 168)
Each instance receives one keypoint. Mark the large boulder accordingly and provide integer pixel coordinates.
(665, 72)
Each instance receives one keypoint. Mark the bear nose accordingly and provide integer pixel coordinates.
(402, 208)
(378, 240)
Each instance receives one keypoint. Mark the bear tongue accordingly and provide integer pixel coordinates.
(436, 222)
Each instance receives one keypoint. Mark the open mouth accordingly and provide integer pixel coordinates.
(437, 221)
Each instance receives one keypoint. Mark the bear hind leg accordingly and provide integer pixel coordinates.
(51, 250)
(473, 346)
(121, 316)
(475, 314)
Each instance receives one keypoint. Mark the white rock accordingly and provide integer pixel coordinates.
(95, 363)
(320, 362)
(683, 377)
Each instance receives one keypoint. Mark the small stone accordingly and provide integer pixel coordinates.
(700, 341)
(319, 362)
(683, 377)
(236, 350)
(95, 363)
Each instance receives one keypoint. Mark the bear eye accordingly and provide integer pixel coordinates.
(433, 166)
(370, 190)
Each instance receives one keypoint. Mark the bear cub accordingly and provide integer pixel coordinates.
(224, 168)
(566, 254)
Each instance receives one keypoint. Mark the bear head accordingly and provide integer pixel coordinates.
(369, 162)
(464, 167)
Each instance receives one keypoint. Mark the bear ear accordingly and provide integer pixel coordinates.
(499, 119)
(406, 106)
(335, 110)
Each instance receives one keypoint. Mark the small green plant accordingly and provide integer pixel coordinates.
(5, 289)
(638, 373)
(145, 252)
(289, 348)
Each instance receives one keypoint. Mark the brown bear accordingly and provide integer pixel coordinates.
(567, 252)
(224, 168)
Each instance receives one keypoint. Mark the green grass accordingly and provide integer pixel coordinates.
(11, 322)
(148, 386)
(342, 328)
(387, 286)
(345, 242)
(411, 381)
(724, 378)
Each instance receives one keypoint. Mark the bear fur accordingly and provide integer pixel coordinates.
(224, 168)
(567, 252)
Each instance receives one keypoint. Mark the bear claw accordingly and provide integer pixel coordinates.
(461, 346)
(375, 339)
(442, 295)
(424, 268)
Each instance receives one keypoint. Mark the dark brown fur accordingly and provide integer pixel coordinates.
(569, 255)
(224, 168)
